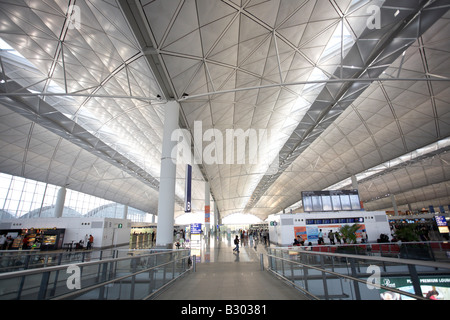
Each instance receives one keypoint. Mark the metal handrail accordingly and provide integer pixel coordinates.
(340, 275)
(424, 263)
(58, 256)
(44, 273)
(99, 285)
(22, 273)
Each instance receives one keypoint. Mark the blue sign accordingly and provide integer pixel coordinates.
(440, 221)
(196, 228)
(187, 191)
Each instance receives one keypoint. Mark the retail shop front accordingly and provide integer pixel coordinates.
(33, 239)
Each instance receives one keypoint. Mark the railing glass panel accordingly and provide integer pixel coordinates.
(131, 277)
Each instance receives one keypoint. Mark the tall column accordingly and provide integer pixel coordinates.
(410, 208)
(394, 204)
(354, 183)
(125, 212)
(60, 199)
(355, 187)
(216, 215)
(166, 200)
(207, 208)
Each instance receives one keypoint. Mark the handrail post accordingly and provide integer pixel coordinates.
(324, 277)
(194, 263)
(415, 279)
(261, 261)
(355, 275)
(43, 286)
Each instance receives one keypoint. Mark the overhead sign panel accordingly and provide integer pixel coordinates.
(196, 228)
(332, 200)
(187, 189)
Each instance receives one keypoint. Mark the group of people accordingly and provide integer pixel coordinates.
(26, 241)
(89, 240)
(180, 238)
(5, 242)
(262, 235)
(255, 236)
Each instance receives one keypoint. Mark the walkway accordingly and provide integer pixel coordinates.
(222, 274)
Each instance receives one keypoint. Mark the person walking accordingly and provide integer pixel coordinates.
(331, 236)
(2, 242)
(90, 242)
(337, 236)
(320, 236)
(236, 242)
(364, 236)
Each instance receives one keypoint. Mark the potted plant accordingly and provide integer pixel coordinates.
(349, 234)
(420, 251)
(407, 233)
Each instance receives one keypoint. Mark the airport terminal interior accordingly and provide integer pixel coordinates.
(224, 150)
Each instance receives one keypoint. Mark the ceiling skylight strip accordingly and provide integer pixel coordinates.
(392, 163)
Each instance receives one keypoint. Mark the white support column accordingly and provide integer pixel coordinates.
(394, 204)
(354, 183)
(60, 199)
(356, 187)
(125, 212)
(166, 200)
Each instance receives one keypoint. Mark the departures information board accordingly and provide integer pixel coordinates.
(332, 200)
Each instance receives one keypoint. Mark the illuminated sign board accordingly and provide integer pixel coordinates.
(187, 189)
(442, 224)
(196, 228)
(333, 200)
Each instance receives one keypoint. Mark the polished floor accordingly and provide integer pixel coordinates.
(222, 274)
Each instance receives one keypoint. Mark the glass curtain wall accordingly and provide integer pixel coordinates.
(25, 198)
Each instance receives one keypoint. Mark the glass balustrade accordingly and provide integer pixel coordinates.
(137, 276)
(337, 276)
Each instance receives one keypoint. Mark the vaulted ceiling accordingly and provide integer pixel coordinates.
(343, 88)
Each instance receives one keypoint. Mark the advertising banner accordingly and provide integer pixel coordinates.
(310, 233)
(301, 231)
(433, 288)
(207, 214)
